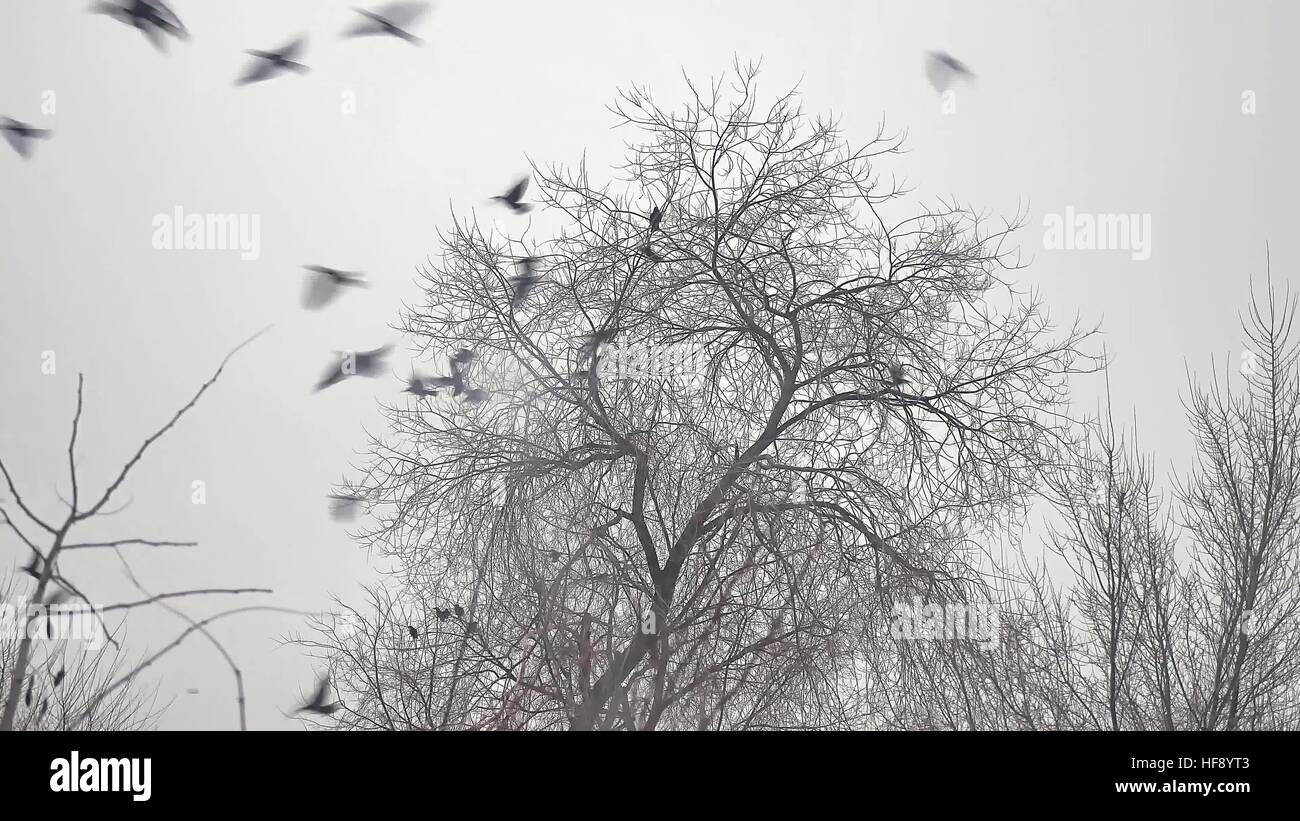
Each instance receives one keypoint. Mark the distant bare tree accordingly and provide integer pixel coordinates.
(64, 681)
(584, 550)
(49, 540)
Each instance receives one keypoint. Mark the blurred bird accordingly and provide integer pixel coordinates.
(268, 64)
(458, 610)
(477, 396)
(318, 702)
(648, 251)
(442, 613)
(21, 135)
(344, 506)
(513, 197)
(897, 376)
(153, 18)
(28, 697)
(554, 556)
(391, 19)
(415, 634)
(419, 386)
(192, 691)
(594, 342)
(324, 284)
(472, 627)
(656, 216)
(522, 284)
(358, 363)
(944, 70)
(58, 678)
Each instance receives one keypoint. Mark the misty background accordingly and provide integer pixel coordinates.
(1106, 107)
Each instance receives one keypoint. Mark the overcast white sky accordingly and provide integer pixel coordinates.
(1109, 107)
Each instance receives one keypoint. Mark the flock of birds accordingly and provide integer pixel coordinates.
(158, 22)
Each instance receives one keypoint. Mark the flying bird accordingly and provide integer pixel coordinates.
(513, 197)
(58, 678)
(153, 18)
(344, 506)
(419, 386)
(21, 135)
(594, 341)
(355, 363)
(415, 634)
(318, 702)
(944, 70)
(522, 284)
(897, 376)
(268, 64)
(392, 19)
(324, 284)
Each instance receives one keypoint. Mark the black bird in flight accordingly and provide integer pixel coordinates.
(58, 678)
(513, 197)
(944, 70)
(594, 341)
(355, 363)
(324, 284)
(415, 634)
(268, 64)
(897, 376)
(522, 284)
(21, 135)
(153, 18)
(419, 386)
(344, 506)
(392, 19)
(459, 361)
(318, 702)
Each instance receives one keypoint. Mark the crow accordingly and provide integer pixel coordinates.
(355, 363)
(270, 64)
(318, 703)
(656, 216)
(415, 634)
(20, 135)
(897, 376)
(512, 197)
(389, 20)
(944, 70)
(458, 610)
(153, 18)
(442, 613)
(325, 285)
(523, 283)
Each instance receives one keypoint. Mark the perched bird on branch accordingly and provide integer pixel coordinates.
(415, 634)
(897, 376)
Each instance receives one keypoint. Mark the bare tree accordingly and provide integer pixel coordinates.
(585, 550)
(50, 549)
